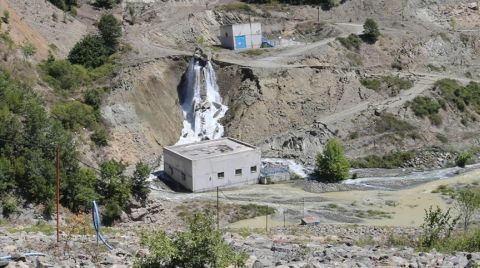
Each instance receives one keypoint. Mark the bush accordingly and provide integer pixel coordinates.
(462, 242)
(63, 75)
(463, 158)
(90, 52)
(332, 165)
(424, 106)
(352, 41)
(114, 186)
(437, 226)
(74, 115)
(106, 3)
(112, 212)
(110, 29)
(9, 206)
(140, 185)
(389, 123)
(371, 31)
(467, 202)
(200, 246)
(390, 160)
(392, 84)
(460, 96)
(100, 136)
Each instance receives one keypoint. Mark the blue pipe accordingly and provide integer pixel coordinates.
(96, 224)
(31, 254)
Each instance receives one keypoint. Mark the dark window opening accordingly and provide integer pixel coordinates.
(238, 172)
(253, 169)
(221, 175)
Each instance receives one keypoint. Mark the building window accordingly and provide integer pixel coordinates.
(253, 169)
(238, 172)
(221, 175)
(183, 176)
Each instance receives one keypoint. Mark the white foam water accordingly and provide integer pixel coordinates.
(201, 104)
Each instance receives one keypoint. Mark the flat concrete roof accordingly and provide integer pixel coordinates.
(210, 148)
(234, 24)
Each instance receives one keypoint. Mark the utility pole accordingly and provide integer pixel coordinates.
(266, 220)
(218, 207)
(303, 210)
(57, 160)
(318, 13)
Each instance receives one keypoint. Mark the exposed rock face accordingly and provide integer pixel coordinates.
(143, 110)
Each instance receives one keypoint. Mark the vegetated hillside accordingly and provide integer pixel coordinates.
(288, 111)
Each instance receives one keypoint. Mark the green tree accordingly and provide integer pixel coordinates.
(140, 185)
(463, 158)
(332, 165)
(114, 184)
(200, 246)
(28, 50)
(90, 52)
(110, 30)
(78, 191)
(371, 31)
(467, 202)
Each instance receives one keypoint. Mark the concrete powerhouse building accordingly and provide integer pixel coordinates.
(240, 36)
(205, 165)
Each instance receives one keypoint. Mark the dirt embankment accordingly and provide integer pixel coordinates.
(142, 111)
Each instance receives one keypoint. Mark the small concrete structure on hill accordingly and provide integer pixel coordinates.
(205, 165)
(241, 36)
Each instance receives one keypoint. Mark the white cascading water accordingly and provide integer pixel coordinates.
(201, 103)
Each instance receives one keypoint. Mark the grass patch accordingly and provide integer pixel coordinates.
(444, 190)
(442, 138)
(350, 42)
(391, 84)
(388, 122)
(444, 37)
(468, 241)
(39, 227)
(372, 214)
(390, 160)
(354, 59)
(253, 52)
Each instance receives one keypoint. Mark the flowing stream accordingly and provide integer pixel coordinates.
(201, 103)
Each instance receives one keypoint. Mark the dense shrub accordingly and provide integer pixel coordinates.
(463, 158)
(63, 75)
(9, 205)
(352, 41)
(461, 242)
(437, 226)
(390, 84)
(199, 246)
(106, 3)
(79, 191)
(388, 122)
(425, 106)
(390, 160)
(100, 136)
(90, 52)
(459, 96)
(74, 114)
(332, 165)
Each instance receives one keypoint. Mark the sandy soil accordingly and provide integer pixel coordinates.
(399, 208)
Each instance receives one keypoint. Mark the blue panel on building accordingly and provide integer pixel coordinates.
(240, 41)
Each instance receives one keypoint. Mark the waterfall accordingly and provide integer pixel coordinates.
(201, 103)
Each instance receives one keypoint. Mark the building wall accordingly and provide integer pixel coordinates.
(252, 32)
(226, 37)
(205, 171)
(178, 168)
